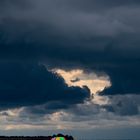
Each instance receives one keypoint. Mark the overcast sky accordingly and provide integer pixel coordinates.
(70, 66)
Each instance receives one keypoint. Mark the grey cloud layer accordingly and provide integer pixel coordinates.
(81, 116)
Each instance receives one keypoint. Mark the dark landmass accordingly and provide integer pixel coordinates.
(67, 137)
(24, 138)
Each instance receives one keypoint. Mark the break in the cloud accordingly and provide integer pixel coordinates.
(80, 78)
(96, 83)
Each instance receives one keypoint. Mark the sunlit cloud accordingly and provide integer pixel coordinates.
(12, 112)
(94, 82)
(67, 121)
(80, 78)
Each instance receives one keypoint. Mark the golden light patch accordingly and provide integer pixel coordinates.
(80, 78)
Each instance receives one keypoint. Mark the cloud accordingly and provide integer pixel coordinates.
(82, 116)
(32, 84)
(15, 3)
(127, 105)
(67, 34)
(100, 37)
(124, 78)
(78, 77)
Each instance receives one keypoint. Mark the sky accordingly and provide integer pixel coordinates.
(70, 67)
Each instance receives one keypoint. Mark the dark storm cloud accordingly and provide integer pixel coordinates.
(31, 84)
(96, 35)
(125, 78)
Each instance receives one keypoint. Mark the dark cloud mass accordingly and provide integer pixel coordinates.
(32, 84)
(125, 79)
(98, 35)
